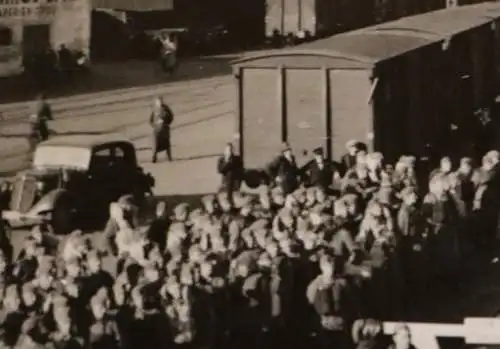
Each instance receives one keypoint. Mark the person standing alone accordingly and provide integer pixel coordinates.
(160, 120)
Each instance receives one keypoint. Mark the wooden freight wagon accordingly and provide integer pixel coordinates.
(299, 18)
(386, 85)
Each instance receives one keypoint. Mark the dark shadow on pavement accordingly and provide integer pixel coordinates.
(113, 76)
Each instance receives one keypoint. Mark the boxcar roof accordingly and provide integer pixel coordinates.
(85, 141)
(366, 47)
(438, 25)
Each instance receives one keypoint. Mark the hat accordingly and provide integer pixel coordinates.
(318, 151)
(285, 147)
(351, 143)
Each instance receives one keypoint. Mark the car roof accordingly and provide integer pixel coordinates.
(86, 141)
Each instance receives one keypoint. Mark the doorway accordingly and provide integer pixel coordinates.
(36, 38)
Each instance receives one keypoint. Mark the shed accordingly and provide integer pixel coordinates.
(372, 85)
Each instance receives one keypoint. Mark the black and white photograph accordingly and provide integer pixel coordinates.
(249, 174)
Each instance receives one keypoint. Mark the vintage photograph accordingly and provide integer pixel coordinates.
(247, 174)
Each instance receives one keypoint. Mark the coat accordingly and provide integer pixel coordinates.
(320, 177)
(160, 123)
(231, 171)
(286, 173)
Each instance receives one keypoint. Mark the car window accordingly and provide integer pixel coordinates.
(101, 158)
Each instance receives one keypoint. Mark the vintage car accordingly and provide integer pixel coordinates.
(72, 181)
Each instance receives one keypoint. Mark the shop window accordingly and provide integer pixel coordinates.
(5, 36)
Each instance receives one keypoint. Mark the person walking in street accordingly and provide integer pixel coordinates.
(42, 113)
(160, 120)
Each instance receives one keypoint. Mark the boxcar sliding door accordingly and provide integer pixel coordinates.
(351, 108)
(305, 111)
(261, 126)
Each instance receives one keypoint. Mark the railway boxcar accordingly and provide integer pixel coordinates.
(406, 86)
(299, 17)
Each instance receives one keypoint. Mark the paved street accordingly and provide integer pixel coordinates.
(204, 121)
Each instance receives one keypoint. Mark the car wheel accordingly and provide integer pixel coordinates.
(62, 216)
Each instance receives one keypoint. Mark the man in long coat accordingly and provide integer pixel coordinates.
(284, 170)
(160, 120)
(230, 167)
(321, 172)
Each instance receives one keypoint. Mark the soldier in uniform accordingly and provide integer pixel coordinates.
(161, 119)
(320, 172)
(284, 171)
(230, 168)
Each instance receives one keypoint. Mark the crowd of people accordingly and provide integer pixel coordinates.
(315, 258)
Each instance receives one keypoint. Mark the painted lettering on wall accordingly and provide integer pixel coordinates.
(29, 8)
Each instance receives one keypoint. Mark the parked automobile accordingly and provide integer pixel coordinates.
(73, 179)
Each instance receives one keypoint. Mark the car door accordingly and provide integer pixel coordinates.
(122, 169)
(103, 186)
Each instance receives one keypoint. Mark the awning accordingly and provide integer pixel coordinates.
(134, 5)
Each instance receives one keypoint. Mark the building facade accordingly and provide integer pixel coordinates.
(30, 26)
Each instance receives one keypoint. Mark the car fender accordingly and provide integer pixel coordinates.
(47, 202)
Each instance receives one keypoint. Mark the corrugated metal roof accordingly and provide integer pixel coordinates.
(134, 5)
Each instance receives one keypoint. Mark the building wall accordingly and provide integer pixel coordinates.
(68, 22)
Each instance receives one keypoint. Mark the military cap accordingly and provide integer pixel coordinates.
(318, 151)
(351, 143)
(285, 147)
(181, 209)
